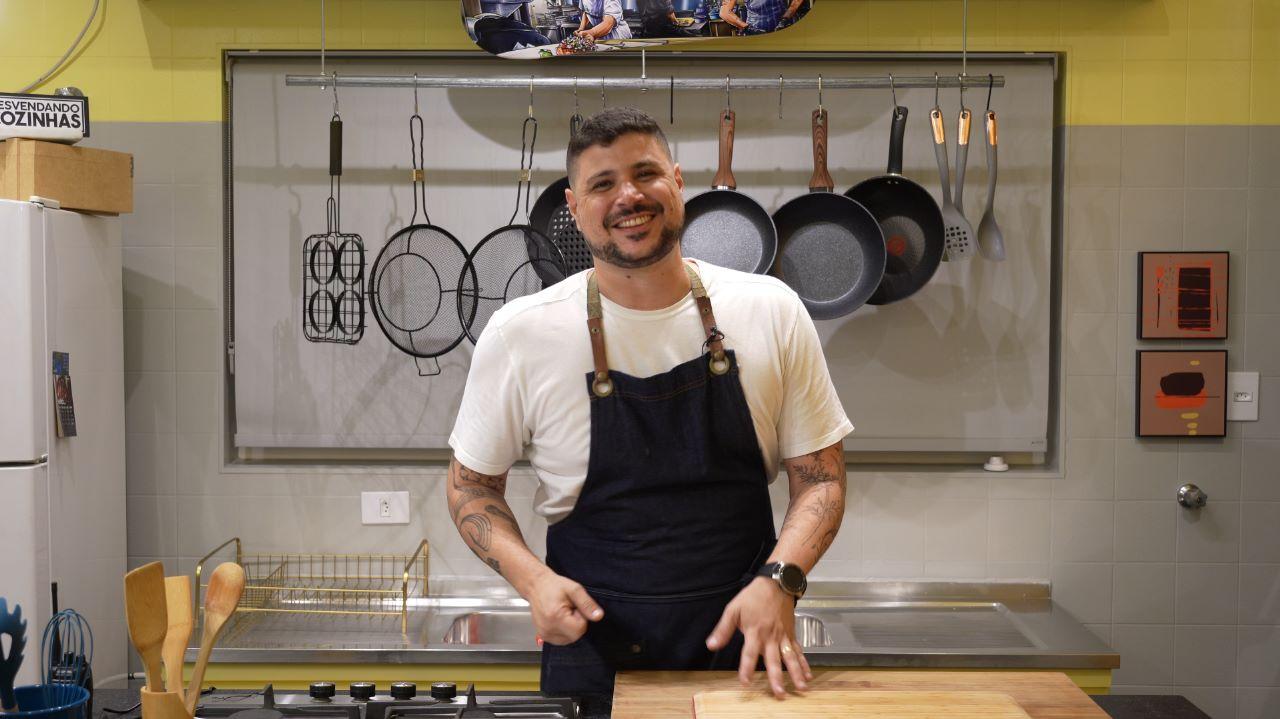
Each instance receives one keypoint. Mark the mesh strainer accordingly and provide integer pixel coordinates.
(415, 275)
(512, 261)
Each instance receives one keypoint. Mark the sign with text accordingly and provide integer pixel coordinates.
(44, 117)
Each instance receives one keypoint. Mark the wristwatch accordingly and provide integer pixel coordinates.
(788, 576)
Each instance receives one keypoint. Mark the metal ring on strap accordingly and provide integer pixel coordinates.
(719, 363)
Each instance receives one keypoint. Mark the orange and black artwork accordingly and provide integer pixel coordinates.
(1181, 393)
(1182, 295)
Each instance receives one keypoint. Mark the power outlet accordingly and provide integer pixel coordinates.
(384, 507)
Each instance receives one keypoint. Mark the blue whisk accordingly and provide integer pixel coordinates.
(66, 653)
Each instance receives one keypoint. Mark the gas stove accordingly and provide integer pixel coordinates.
(402, 700)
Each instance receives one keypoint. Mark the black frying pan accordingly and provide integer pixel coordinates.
(830, 248)
(910, 219)
(551, 217)
(724, 226)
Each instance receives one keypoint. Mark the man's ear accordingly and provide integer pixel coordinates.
(572, 202)
(679, 176)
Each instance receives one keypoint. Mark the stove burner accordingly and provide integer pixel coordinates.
(323, 702)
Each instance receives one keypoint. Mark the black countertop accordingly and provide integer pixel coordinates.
(1118, 706)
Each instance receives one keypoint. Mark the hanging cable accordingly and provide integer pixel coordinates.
(93, 13)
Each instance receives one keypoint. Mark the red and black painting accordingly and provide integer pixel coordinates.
(1182, 295)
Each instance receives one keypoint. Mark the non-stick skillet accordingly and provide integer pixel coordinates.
(910, 219)
(830, 248)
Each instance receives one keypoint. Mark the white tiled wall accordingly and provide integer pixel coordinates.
(1192, 601)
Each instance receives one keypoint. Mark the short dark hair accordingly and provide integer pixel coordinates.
(606, 126)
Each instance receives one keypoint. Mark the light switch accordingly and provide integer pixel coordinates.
(1242, 396)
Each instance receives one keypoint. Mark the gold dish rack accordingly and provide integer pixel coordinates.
(371, 585)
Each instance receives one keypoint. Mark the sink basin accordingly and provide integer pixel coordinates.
(516, 627)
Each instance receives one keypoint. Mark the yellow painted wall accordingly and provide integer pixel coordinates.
(1128, 62)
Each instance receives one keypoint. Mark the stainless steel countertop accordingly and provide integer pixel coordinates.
(906, 624)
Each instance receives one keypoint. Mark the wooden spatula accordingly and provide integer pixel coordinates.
(177, 591)
(220, 600)
(147, 616)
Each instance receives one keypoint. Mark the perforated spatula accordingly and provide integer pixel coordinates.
(220, 600)
(147, 616)
(177, 592)
(957, 231)
(16, 627)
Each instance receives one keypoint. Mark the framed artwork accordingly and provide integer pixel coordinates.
(1181, 393)
(1182, 295)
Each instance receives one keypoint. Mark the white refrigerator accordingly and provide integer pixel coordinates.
(62, 499)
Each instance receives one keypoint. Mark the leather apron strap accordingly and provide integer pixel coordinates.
(602, 386)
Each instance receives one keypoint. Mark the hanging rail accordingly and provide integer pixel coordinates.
(650, 83)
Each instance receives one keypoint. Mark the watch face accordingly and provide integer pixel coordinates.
(792, 578)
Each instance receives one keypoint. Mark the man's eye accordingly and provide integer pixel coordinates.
(601, 186)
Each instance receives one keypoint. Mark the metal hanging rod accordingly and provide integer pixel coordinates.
(649, 83)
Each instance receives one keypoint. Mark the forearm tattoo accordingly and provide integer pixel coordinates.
(476, 526)
(819, 505)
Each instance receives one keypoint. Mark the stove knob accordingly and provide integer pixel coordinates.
(362, 691)
(444, 691)
(323, 691)
(403, 690)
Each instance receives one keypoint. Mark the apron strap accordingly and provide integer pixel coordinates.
(601, 385)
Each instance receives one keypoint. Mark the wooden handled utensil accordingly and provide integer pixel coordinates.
(147, 616)
(177, 592)
(220, 600)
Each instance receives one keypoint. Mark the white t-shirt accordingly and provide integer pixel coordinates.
(527, 388)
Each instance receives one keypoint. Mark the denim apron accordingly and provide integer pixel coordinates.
(673, 519)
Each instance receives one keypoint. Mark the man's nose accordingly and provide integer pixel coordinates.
(629, 192)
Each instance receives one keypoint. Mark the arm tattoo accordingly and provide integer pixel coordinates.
(820, 500)
(502, 514)
(479, 530)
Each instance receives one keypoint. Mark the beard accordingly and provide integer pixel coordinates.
(607, 250)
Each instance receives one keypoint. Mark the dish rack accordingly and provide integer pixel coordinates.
(369, 585)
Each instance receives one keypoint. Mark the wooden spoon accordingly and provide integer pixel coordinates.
(220, 600)
(177, 592)
(147, 616)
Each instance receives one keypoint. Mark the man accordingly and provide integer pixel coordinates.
(762, 16)
(654, 397)
(658, 19)
(603, 20)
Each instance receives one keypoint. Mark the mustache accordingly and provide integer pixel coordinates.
(637, 209)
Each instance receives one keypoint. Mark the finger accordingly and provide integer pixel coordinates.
(804, 662)
(585, 604)
(792, 658)
(773, 667)
(747, 664)
(723, 632)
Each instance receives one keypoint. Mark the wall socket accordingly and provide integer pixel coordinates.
(384, 507)
(1242, 396)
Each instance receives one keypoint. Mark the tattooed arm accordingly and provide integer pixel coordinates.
(762, 611)
(478, 506)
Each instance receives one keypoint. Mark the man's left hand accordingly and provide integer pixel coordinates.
(766, 616)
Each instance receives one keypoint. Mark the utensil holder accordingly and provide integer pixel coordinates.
(163, 705)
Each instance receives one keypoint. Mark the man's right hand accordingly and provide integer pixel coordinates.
(561, 608)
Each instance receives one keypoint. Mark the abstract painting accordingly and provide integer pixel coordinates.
(1182, 295)
(1181, 393)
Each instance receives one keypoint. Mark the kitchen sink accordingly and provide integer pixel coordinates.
(516, 627)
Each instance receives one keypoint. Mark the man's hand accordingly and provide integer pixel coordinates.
(766, 616)
(561, 608)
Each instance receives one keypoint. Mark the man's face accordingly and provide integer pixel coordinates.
(628, 201)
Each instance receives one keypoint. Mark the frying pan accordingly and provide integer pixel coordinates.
(724, 226)
(551, 217)
(830, 248)
(910, 219)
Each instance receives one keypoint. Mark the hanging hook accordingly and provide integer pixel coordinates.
(893, 90)
(335, 92)
(991, 84)
(728, 98)
(779, 97)
(603, 102)
(935, 90)
(960, 79)
(531, 96)
(671, 96)
(575, 94)
(415, 93)
(819, 91)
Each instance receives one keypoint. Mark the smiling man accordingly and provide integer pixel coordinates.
(654, 397)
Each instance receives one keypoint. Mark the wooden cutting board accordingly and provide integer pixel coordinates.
(832, 703)
(1041, 694)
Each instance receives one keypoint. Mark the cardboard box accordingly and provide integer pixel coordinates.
(81, 178)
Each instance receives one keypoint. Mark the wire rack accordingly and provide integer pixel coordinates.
(352, 585)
